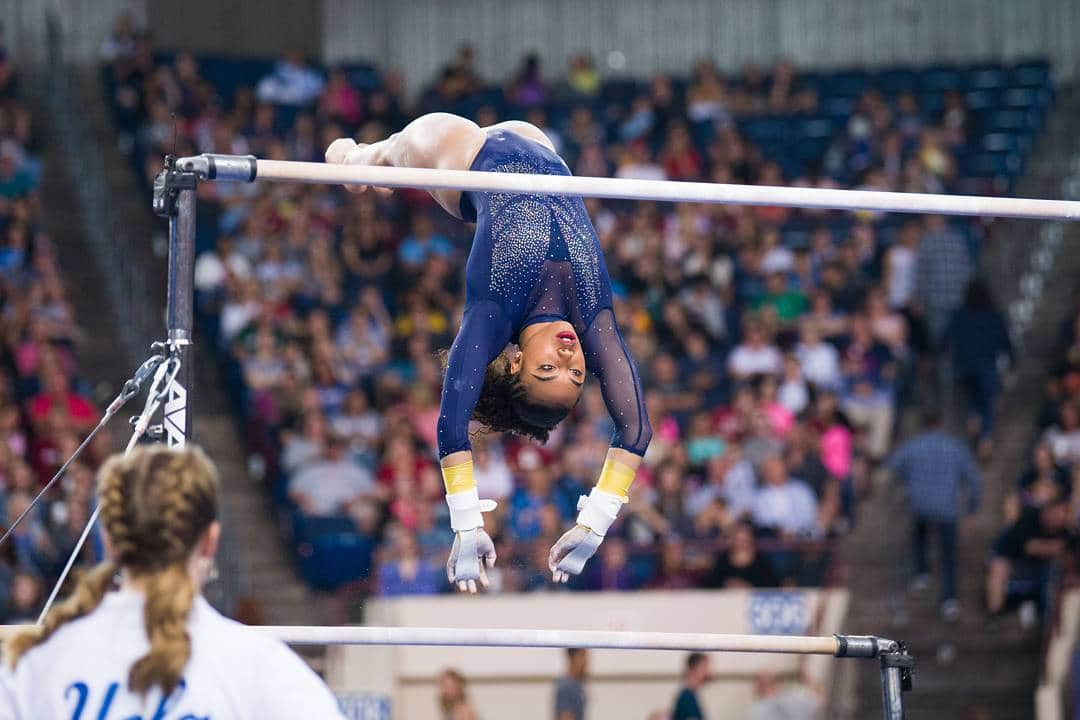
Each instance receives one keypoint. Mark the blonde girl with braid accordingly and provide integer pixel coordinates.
(135, 639)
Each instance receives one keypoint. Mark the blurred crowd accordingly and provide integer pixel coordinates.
(777, 345)
(1039, 548)
(45, 411)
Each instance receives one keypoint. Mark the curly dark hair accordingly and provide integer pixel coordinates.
(504, 405)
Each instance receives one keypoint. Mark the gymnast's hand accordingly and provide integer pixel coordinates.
(473, 552)
(570, 552)
(346, 151)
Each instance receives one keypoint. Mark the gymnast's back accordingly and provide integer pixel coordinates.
(234, 672)
(535, 256)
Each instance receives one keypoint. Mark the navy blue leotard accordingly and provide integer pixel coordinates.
(535, 258)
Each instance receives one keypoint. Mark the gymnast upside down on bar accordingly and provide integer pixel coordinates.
(535, 277)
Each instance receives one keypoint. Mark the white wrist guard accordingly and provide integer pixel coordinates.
(598, 510)
(466, 510)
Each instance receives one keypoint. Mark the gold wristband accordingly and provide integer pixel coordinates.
(615, 478)
(458, 478)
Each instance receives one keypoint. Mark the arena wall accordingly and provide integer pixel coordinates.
(419, 36)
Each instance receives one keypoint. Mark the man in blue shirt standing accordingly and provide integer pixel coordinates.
(687, 705)
(943, 484)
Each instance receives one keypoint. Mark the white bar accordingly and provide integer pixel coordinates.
(665, 190)
(503, 637)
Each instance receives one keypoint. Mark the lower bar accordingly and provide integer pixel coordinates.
(510, 637)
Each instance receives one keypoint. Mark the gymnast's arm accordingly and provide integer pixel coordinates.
(483, 335)
(609, 360)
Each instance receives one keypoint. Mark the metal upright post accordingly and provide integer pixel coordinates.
(174, 198)
(896, 671)
(897, 667)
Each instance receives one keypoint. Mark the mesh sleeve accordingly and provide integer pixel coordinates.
(608, 358)
(483, 335)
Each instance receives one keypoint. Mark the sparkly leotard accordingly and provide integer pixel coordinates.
(534, 259)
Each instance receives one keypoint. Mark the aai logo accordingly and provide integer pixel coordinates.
(779, 613)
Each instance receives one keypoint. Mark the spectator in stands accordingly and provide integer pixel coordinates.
(774, 700)
(422, 243)
(706, 98)
(687, 705)
(57, 395)
(1043, 482)
(1064, 436)
(729, 478)
(978, 338)
(819, 360)
(570, 696)
(900, 264)
(331, 485)
(582, 77)
(943, 485)
(26, 597)
(291, 82)
(1024, 552)
(494, 479)
(358, 423)
(672, 572)
(15, 180)
(943, 269)
(613, 571)
(527, 87)
(407, 572)
(741, 565)
(783, 503)
(340, 101)
(754, 355)
(454, 697)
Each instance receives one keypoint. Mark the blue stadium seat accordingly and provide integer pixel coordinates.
(838, 108)
(795, 239)
(986, 78)
(894, 82)
(1036, 74)
(808, 150)
(931, 103)
(764, 129)
(940, 79)
(979, 100)
(816, 127)
(621, 92)
(987, 164)
(1011, 120)
(1025, 97)
(331, 553)
(847, 84)
(1005, 141)
(363, 77)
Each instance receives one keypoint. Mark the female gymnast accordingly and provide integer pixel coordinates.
(535, 277)
(154, 647)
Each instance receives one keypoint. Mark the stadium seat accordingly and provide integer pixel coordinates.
(1011, 120)
(979, 100)
(939, 80)
(894, 82)
(1025, 97)
(1031, 75)
(990, 78)
(849, 84)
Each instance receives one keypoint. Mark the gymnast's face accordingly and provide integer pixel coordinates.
(550, 364)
